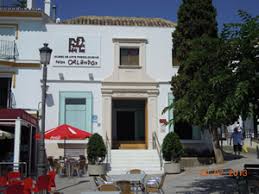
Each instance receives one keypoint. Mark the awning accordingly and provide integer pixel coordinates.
(17, 113)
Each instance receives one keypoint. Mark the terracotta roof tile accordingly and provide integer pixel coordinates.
(120, 21)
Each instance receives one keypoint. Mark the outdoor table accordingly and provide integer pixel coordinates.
(133, 178)
(101, 192)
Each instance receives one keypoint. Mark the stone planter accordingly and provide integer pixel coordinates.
(95, 170)
(172, 168)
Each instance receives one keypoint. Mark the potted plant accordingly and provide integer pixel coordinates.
(96, 152)
(172, 151)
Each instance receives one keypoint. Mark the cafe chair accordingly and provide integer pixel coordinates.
(155, 184)
(13, 176)
(3, 181)
(99, 181)
(108, 187)
(42, 183)
(28, 185)
(135, 171)
(125, 187)
(52, 183)
(14, 189)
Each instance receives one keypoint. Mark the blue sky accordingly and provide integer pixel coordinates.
(226, 9)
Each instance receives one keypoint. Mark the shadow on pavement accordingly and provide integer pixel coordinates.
(226, 185)
(72, 185)
(229, 156)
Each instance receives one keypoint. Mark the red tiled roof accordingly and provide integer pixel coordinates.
(120, 21)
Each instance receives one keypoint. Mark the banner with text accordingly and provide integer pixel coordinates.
(76, 51)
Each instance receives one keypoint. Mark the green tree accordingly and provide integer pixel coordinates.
(21, 3)
(220, 78)
(244, 40)
(210, 98)
(196, 19)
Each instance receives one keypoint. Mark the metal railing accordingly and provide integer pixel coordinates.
(157, 145)
(8, 49)
(108, 155)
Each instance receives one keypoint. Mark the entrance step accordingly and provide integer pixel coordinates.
(124, 160)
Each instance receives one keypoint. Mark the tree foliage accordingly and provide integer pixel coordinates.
(21, 3)
(172, 148)
(244, 41)
(96, 149)
(195, 18)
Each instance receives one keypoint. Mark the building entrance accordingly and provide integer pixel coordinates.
(128, 124)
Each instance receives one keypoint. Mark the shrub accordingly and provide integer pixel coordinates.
(172, 148)
(96, 150)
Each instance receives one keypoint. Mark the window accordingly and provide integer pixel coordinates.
(129, 56)
(5, 92)
(75, 101)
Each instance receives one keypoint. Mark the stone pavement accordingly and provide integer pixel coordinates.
(189, 181)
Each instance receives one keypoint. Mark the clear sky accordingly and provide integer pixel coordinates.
(226, 9)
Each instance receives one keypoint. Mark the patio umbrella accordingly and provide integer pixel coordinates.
(6, 135)
(66, 132)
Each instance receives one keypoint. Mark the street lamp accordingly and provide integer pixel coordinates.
(45, 54)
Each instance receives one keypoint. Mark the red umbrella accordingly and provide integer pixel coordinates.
(65, 132)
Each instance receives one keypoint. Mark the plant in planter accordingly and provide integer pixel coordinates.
(96, 152)
(172, 150)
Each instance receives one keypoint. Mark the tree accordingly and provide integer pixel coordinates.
(196, 28)
(220, 78)
(206, 99)
(244, 40)
(195, 18)
(21, 3)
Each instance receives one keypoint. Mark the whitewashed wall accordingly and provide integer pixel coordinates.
(32, 35)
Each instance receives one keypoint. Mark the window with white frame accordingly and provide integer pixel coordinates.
(130, 53)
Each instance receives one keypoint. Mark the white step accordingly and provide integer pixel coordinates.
(124, 160)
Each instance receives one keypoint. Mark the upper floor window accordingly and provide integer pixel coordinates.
(129, 56)
(130, 53)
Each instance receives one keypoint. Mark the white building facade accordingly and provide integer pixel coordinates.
(107, 75)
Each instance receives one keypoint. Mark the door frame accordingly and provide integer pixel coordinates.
(129, 144)
(77, 94)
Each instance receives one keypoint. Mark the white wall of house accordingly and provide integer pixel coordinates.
(32, 35)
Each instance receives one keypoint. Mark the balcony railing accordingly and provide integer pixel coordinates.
(8, 49)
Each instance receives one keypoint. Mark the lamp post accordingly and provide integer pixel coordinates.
(45, 54)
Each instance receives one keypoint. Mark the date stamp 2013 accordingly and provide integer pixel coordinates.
(223, 172)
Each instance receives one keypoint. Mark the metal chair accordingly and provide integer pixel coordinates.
(99, 181)
(108, 187)
(153, 185)
(125, 187)
(135, 171)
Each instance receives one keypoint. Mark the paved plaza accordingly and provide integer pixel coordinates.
(189, 181)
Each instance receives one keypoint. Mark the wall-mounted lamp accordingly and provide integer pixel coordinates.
(91, 77)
